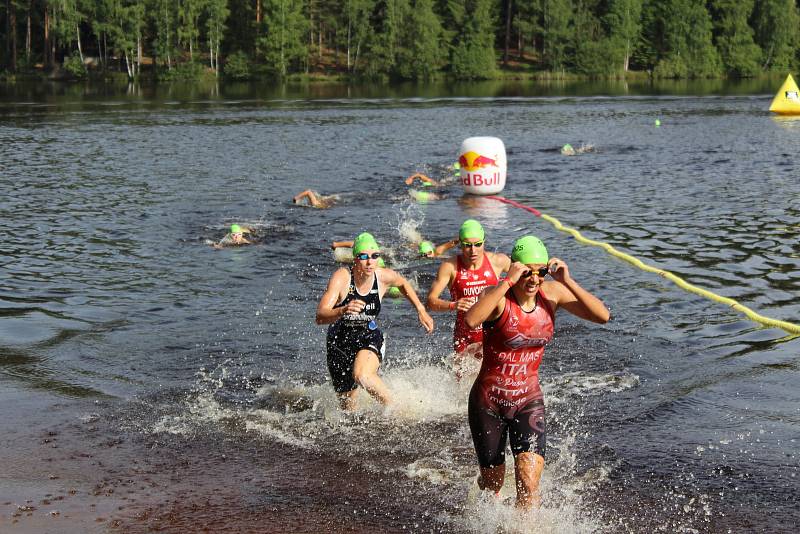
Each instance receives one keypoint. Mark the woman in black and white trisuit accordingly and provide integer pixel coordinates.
(351, 305)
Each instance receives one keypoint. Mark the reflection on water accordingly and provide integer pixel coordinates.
(234, 93)
(680, 407)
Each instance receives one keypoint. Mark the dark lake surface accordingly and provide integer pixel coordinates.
(152, 382)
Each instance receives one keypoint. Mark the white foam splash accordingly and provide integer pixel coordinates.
(563, 510)
(586, 384)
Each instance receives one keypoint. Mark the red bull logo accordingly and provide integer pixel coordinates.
(481, 179)
(472, 161)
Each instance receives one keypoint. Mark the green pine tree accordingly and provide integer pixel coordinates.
(557, 34)
(740, 54)
(776, 31)
(284, 45)
(473, 56)
(677, 40)
(383, 45)
(624, 30)
(421, 54)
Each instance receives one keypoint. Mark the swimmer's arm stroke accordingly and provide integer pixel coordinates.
(572, 297)
(491, 302)
(326, 313)
(443, 277)
(341, 244)
(422, 178)
(444, 247)
(391, 278)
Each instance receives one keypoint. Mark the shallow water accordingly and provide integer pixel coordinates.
(679, 415)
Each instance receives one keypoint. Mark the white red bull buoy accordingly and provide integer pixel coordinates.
(483, 165)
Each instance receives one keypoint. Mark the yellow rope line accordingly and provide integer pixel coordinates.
(680, 282)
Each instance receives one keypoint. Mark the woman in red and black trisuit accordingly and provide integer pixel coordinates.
(467, 275)
(506, 399)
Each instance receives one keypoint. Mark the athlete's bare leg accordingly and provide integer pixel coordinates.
(348, 400)
(365, 372)
(528, 467)
(491, 478)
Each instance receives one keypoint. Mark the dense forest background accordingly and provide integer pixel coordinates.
(399, 39)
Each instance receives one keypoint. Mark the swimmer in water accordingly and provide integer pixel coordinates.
(568, 150)
(424, 196)
(427, 249)
(350, 305)
(506, 399)
(234, 238)
(426, 180)
(466, 275)
(315, 200)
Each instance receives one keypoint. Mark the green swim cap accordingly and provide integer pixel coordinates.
(470, 229)
(529, 249)
(394, 292)
(236, 229)
(456, 165)
(381, 263)
(567, 147)
(427, 184)
(364, 241)
(425, 247)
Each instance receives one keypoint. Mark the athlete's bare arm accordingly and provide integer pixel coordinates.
(313, 200)
(565, 292)
(341, 244)
(500, 263)
(391, 278)
(444, 277)
(336, 292)
(491, 302)
(444, 247)
(422, 178)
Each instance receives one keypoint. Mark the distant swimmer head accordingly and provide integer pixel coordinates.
(567, 150)
(364, 241)
(381, 263)
(426, 249)
(529, 249)
(471, 229)
(237, 234)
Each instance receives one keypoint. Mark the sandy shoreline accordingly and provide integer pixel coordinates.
(67, 469)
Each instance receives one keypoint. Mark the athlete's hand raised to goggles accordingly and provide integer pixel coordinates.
(516, 271)
(426, 320)
(558, 269)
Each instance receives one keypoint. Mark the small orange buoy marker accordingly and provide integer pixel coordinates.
(787, 101)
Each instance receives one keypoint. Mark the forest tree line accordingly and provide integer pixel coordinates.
(401, 39)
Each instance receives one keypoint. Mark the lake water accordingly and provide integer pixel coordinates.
(150, 382)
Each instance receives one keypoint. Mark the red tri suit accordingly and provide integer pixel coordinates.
(469, 284)
(506, 395)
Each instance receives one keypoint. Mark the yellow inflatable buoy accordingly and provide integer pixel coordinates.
(787, 101)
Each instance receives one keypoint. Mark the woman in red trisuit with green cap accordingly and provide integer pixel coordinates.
(467, 275)
(506, 399)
